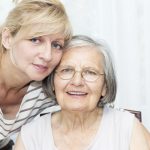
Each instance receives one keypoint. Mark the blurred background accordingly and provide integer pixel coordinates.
(125, 26)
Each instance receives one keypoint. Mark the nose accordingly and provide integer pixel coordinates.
(46, 53)
(77, 79)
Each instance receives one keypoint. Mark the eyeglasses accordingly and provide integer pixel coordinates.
(88, 74)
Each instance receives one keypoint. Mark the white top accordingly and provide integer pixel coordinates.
(114, 132)
(33, 103)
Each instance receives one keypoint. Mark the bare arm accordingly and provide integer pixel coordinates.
(19, 144)
(140, 137)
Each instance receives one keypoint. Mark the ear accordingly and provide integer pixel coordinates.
(104, 90)
(6, 38)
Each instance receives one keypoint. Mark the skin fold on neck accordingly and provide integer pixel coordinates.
(79, 120)
(74, 127)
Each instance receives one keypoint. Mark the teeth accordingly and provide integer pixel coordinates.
(77, 93)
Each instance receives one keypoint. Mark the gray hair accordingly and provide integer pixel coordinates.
(110, 77)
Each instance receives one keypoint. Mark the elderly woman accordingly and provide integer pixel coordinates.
(82, 84)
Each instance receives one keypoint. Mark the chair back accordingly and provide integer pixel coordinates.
(137, 114)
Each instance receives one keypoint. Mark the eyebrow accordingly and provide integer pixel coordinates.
(62, 66)
(65, 66)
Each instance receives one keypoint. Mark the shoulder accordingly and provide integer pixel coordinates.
(36, 92)
(35, 97)
(35, 85)
(129, 127)
(120, 121)
(119, 114)
(140, 137)
(34, 89)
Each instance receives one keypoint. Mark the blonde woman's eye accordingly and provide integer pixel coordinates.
(57, 45)
(35, 40)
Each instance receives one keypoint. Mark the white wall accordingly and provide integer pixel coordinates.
(125, 25)
(5, 7)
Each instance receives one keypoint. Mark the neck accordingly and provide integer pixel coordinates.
(10, 76)
(80, 121)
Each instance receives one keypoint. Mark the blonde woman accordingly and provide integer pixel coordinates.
(31, 45)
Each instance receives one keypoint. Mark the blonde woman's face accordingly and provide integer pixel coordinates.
(38, 56)
(76, 93)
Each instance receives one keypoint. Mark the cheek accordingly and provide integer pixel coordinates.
(57, 57)
(59, 93)
(98, 90)
(97, 94)
(22, 51)
(59, 85)
(54, 62)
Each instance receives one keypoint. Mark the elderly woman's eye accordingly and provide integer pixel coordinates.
(66, 70)
(90, 72)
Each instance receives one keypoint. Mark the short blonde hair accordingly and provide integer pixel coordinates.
(32, 18)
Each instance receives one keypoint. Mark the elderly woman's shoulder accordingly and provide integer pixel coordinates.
(120, 120)
(140, 137)
(118, 112)
(126, 122)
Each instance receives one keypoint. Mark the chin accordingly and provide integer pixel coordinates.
(77, 109)
(38, 78)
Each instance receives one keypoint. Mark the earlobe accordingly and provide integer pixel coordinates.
(6, 38)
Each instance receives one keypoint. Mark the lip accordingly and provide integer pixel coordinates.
(77, 93)
(40, 68)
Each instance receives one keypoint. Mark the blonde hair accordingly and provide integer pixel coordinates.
(32, 18)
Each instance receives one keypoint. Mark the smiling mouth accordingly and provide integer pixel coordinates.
(77, 93)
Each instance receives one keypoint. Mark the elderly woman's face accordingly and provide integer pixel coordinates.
(78, 81)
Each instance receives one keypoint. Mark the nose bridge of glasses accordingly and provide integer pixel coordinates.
(77, 78)
(77, 72)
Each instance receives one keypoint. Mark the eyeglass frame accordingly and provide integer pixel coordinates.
(81, 73)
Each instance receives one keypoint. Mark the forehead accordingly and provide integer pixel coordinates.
(38, 30)
(83, 56)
